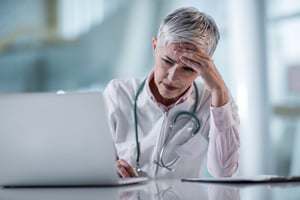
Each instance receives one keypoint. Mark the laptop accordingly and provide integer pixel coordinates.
(49, 139)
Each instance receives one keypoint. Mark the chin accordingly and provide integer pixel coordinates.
(168, 95)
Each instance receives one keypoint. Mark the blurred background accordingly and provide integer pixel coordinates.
(79, 45)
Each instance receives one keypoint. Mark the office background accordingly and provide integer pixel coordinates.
(76, 45)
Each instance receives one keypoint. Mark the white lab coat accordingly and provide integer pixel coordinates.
(217, 139)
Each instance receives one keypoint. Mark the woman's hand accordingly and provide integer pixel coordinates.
(201, 62)
(125, 170)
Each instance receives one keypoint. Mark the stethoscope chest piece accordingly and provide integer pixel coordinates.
(140, 172)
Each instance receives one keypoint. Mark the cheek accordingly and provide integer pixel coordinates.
(160, 70)
(189, 80)
(158, 74)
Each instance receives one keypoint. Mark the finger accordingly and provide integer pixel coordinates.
(196, 56)
(180, 50)
(193, 50)
(121, 170)
(188, 46)
(131, 171)
(193, 64)
(128, 168)
(197, 59)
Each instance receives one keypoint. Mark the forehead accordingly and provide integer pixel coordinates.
(179, 46)
(174, 50)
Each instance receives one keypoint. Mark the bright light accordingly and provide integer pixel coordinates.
(60, 92)
(242, 101)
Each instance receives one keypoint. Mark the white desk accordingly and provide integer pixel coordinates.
(160, 190)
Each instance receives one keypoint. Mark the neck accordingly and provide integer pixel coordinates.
(158, 97)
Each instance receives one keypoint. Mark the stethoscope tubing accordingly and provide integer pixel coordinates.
(192, 115)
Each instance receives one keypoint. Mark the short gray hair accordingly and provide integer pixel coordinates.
(189, 25)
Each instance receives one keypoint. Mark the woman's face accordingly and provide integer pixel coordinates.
(172, 78)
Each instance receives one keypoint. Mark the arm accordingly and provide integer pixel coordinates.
(111, 98)
(224, 121)
(224, 143)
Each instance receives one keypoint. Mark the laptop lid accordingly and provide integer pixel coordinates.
(55, 139)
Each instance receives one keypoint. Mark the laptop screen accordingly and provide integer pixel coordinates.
(55, 139)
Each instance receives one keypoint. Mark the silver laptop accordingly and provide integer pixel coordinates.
(49, 139)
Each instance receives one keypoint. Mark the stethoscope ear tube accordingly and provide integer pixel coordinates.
(138, 150)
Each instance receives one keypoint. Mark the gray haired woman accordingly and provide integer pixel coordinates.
(168, 124)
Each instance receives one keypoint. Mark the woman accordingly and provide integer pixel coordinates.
(202, 115)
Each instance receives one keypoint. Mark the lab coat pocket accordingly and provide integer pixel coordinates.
(193, 148)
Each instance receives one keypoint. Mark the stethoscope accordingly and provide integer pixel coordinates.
(161, 161)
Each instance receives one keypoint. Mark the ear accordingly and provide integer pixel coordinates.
(154, 41)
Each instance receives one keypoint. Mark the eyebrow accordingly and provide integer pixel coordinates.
(173, 61)
(170, 59)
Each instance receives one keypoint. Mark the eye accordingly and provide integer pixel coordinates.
(188, 69)
(167, 61)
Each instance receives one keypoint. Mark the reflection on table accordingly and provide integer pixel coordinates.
(159, 190)
(177, 190)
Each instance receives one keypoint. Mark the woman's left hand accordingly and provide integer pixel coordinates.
(204, 65)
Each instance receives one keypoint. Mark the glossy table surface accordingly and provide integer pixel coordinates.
(161, 190)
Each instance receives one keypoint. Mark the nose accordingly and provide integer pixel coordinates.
(173, 73)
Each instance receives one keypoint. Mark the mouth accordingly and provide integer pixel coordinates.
(169, 87)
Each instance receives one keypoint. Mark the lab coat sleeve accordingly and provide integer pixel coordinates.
(224, 142)
(118, 98)
(110, 95)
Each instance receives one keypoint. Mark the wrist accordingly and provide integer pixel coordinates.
(219, 97)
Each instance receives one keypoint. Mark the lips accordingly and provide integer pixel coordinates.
(169, 87)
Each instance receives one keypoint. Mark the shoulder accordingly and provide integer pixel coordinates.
(122, 89)
(123, 85)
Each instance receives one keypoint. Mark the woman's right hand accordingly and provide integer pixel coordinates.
(125, 170)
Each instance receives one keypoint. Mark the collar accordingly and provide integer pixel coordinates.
(182, 99)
